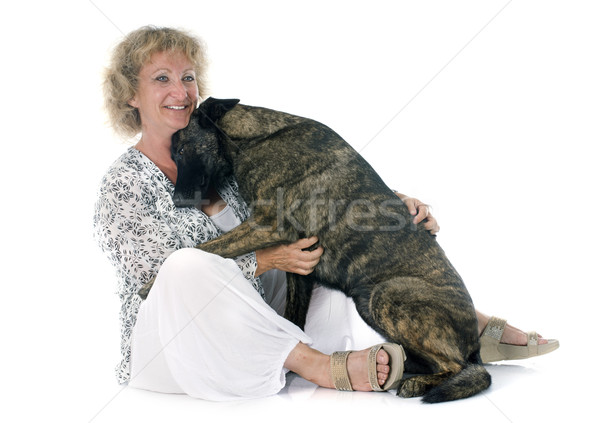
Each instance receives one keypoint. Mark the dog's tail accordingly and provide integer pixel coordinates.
(470, 381)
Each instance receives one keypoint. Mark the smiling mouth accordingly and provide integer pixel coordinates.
(176, 107)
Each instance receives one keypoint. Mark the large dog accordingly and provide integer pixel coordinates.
(302, 179)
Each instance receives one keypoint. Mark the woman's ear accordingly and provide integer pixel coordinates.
(133, 102)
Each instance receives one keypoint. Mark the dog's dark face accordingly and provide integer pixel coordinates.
(198, 152)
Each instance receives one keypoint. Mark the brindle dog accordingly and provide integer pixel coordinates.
(302, 179)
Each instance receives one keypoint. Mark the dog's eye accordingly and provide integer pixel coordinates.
(180, 152)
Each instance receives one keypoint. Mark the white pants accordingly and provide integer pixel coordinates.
(204, 330)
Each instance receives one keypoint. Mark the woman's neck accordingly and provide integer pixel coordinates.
(159, 152)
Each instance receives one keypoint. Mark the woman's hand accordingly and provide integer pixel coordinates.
(420, 211)
(289, 257)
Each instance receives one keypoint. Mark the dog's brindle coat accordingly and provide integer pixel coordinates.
(302, 179)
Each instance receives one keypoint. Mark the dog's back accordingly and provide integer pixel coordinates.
(328, 190)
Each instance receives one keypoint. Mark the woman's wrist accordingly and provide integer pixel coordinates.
(263, 264)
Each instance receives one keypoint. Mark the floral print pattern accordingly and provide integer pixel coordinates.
(137, 226)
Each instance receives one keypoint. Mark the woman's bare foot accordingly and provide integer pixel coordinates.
(313, 365)
(358, 369)
(511, 335)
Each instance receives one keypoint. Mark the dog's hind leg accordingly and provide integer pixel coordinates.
(402, 313)
(427, 320)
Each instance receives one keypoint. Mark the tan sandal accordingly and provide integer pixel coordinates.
(492, 350)
(339, 371)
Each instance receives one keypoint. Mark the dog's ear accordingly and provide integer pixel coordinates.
(213, 109)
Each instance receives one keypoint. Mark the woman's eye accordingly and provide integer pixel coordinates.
(188, 78)
(162, 78)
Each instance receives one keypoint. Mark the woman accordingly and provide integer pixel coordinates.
(211, 327)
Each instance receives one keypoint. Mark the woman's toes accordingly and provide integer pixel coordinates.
(382, 357)
(358, 369)
(383, 369)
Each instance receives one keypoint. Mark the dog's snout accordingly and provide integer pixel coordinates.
(181, 200)
(178, 199)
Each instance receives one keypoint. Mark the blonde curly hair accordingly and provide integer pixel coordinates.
(128, 57)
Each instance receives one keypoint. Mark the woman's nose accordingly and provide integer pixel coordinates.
(178, 90)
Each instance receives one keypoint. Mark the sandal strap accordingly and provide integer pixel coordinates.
(372, 360)
(495, 328)
(532, 343)
(339, 371)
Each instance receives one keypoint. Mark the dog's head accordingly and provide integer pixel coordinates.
(199, 153)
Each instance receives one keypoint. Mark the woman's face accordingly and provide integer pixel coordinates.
(167, 93)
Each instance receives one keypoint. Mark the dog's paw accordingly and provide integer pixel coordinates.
(412, 387)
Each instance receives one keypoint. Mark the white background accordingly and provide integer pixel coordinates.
(487, 110)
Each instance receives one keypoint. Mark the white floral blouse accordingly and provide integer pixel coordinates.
(137, 226)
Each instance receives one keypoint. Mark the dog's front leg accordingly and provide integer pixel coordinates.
(299, 291)
(244, 239)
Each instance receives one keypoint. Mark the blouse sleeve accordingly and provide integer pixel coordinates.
(247, 264)
(130, 232)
